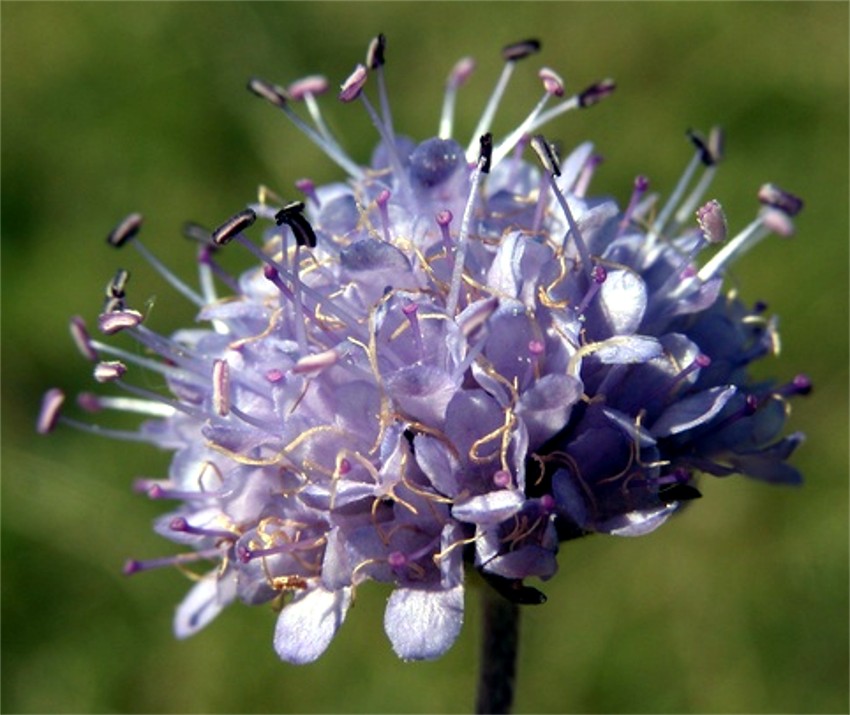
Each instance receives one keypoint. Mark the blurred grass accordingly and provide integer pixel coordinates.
(739, 606)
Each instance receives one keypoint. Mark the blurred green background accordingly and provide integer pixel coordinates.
(741, 605)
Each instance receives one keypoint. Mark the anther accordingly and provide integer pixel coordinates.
(81, 338)
(313, 85)
(699, 141)
(48, 415)
(772, 195)
(109, 371)
(485, 154)
(520, 50)
(596, 93)
(552, 82)
(546, 155)
(353, 85)
(116, 287)
(233, 226)
(268, 91)
(375, 53)
(117, 320)
(292, 215)
(125, 231)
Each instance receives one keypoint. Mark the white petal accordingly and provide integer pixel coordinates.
(422, 625)
(306, 627)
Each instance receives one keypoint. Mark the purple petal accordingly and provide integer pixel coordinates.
(200, 606)
(692, 411)
(490, 508)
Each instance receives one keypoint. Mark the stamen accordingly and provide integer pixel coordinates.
(125, 232)
(457, 77)
(482, 167)
(550, 163)
(95, 403)
(586, 98)
(702, 156)
(375, 61)
(554, 87)
(277, 96)
(712, 153)
(511, 54)
(770, 220)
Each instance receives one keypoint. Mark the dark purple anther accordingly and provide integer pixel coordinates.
(125, 231)
(115, 287)
(268, 91)
(375, 54)
(699, 141)
(546, 154)
(596, 93)
(520, 50)
(292, 215)
(237, 223)
(772, 195)
(485, 153)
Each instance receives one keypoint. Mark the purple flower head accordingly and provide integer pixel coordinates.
(454, 356)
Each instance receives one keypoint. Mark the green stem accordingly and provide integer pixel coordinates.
(500, 636)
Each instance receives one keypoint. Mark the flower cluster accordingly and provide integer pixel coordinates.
(455, 356)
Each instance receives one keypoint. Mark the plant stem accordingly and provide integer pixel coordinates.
(497, 669)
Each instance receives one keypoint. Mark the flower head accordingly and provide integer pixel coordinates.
(454, 356)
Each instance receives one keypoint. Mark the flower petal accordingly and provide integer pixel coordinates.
(306, 626)
(422, 625)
